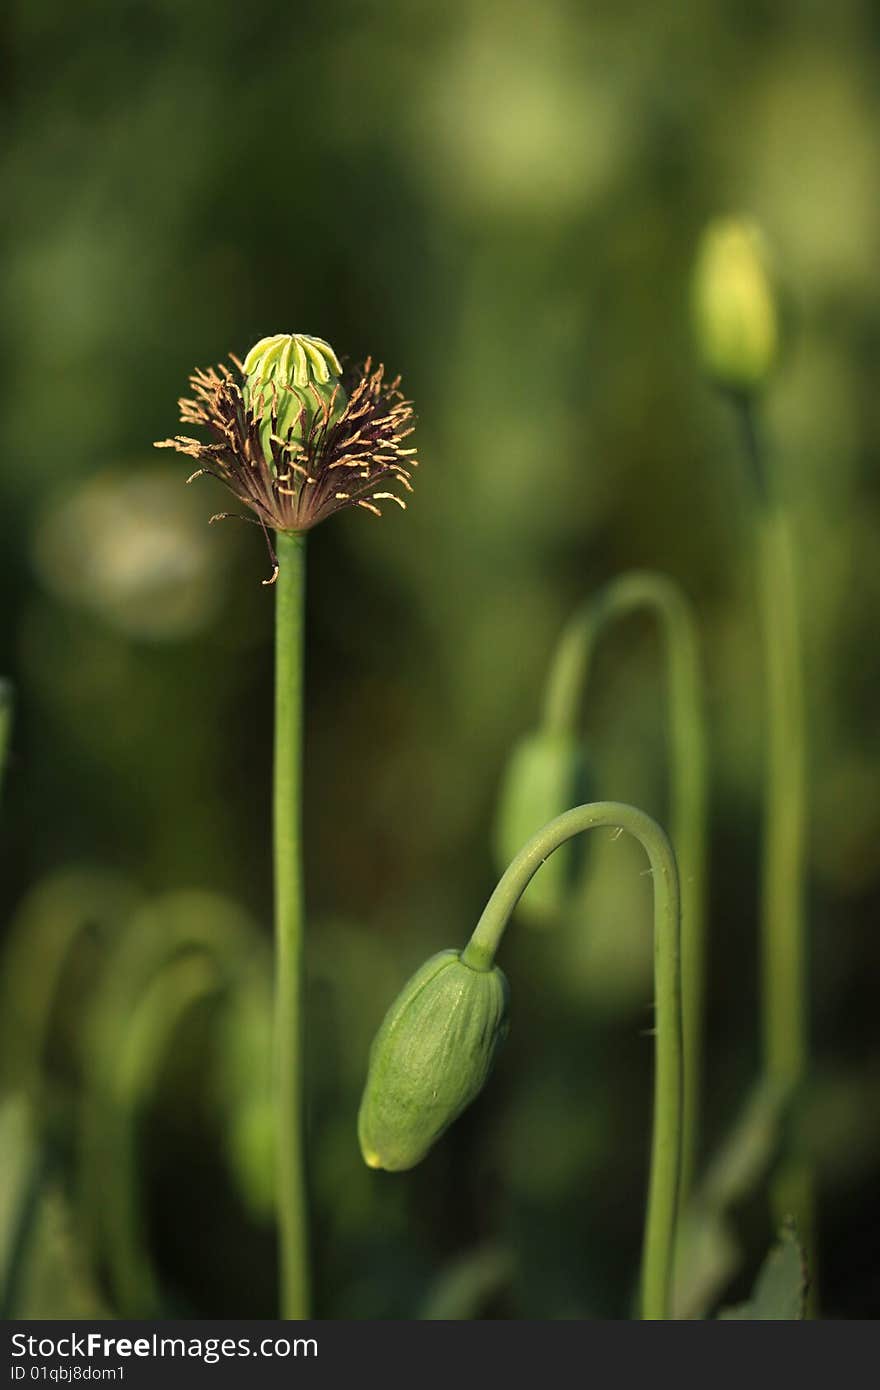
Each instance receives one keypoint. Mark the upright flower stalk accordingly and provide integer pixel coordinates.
(449, 1054)
(296, 439)
(784, 963)
(737, 332)
(290, 924)
(644, 590)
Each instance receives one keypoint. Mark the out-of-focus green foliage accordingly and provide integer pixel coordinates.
(501, 199)
(780, 1290)
(547, 774)
(5, 724)
(709, 1252)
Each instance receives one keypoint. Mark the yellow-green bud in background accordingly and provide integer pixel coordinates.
(547, 774)
(296, 376)
(430, 1059)
(734, 306)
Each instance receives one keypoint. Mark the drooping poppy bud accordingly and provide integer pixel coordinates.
(546, 775)
(430, 1059)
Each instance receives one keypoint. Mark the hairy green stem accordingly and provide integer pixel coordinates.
(569, 677)
(665, 1173)
(784, 977)
(289, 926)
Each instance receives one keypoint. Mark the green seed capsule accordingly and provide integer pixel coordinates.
(430, 1059)
(290, 378)
(546, 775)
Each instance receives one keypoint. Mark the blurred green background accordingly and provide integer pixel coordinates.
(501, 200)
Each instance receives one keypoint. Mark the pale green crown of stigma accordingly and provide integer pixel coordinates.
(296, 375)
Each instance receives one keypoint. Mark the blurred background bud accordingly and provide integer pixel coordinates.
(133, 548)
(431, 1058)
(734, 307)
(547, 774)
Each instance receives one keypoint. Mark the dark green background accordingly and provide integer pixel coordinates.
(501, 200)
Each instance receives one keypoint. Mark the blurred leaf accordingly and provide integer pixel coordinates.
(19, 1187)
(41, 1275)
(131, 1072)
(57, 918)
(463, 1288)
(179, 949)
(55, 1281)
(709, 1253)
(244, 1082)
(780, 1290)
(546, 774)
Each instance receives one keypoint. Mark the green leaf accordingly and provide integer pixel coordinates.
(42, 1274)
(467, 1284)
(709, 1253)
(780, 1290)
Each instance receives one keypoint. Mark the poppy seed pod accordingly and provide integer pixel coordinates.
(290, 377)
(734, 306)
(431, 1057)
(546, 775)
(294, 443)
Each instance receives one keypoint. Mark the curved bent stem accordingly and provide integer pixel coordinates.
(177, 951)
(131, 1073)
(644, 590)
(663, 1187)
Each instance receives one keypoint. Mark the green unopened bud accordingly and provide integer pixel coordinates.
(734, 306)
(430, 1059)
(546, 775)
(291, 377)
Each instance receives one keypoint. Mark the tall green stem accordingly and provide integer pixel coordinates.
(663, 1187)
(569, 676)
(783, 918)
(289, 923)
